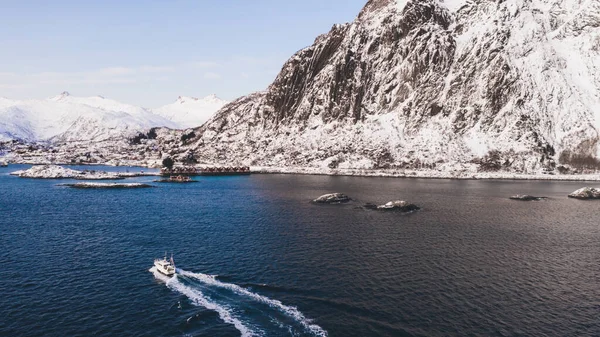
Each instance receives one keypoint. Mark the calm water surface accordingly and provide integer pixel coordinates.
(257, 259)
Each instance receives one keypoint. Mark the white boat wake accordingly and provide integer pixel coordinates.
(199, 299)
(291, 311)
(226, 313)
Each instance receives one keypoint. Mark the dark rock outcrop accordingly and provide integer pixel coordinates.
(525, 197)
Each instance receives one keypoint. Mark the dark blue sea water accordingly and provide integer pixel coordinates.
(256, 258)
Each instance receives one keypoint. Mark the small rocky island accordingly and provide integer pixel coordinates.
(586, 193)
(59, 172)
(107, 185)
(399, 206)
(332, 198)
(525, 197)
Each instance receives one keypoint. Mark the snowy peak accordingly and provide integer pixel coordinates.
(63, 95)
(100, 102)
(210, 99)
(373, 7)
(191, 112)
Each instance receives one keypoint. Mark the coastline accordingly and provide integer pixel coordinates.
(425, 174)
(348, 172)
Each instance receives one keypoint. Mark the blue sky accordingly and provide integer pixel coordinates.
(149, 52)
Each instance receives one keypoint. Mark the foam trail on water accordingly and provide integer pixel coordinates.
(288, 310)
(199, 299)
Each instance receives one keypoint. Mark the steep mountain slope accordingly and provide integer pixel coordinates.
(68, 118)
(189, 112)
(473, 84)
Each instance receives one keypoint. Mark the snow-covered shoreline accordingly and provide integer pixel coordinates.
(383, 173)
(424, 174)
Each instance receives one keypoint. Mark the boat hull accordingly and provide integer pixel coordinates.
(165, 273)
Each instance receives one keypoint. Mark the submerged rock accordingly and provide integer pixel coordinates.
(399, 205)
(586, 193)
(107, 185)
(333, 198)
(526, 197)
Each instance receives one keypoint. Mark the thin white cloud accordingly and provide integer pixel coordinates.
(12, 86)
(144, 80)
(200, 65)
(108, 75)
(212, 76)
(156, 69)
(112, 71)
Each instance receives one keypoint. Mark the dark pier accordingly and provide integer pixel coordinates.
(207, 171)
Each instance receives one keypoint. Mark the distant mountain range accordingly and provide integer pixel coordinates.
(69, 118)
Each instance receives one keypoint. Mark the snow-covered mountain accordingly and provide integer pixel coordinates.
(69, 118)
(488, 85)
(189, 112)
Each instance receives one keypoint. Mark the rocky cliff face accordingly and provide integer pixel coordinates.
(486, 85)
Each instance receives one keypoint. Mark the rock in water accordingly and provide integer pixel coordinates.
(333, 198)
(59, 172)
(107, 185)
(399, 205)
(47, 172)
(526, 197)
(586, 193)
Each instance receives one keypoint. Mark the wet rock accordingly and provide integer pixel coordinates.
(399, 205)
(586, 193)
(107, 185)
(332, 198)
(525, 197)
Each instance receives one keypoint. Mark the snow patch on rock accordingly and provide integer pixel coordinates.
(400, 4)
(454, 5)
(59, 172)
(47, 172)
(586, 193)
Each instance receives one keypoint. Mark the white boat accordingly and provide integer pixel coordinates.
(165, 266)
